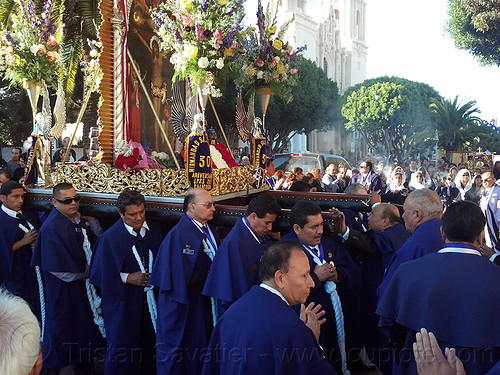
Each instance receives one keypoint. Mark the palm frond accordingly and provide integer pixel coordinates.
(7, 8)
(91, 16)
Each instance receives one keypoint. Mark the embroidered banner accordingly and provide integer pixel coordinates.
(199, 163)
(259, 152)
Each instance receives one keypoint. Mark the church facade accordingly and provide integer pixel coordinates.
(334, 33)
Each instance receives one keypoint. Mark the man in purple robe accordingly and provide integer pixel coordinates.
(236, 265)
(261, 333)
(185, 316)
(62, 251)
(18, 233)
(453, 293)
(422, 217)
(121, 267)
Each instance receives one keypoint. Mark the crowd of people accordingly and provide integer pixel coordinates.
(142, 298)
(14, 168)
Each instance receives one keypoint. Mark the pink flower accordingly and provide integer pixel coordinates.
(187, 21)
(52, 40)
(294, 70)
(143, 159)
(218, 35)
(274, 62)
(259, 63)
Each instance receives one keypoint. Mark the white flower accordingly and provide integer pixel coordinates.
(260, 74)
(220, 63)
(277, 58)
(154, 154)
(34, 48)
(203, 62)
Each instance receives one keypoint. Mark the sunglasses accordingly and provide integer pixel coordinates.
(76, 198)
(207, 204)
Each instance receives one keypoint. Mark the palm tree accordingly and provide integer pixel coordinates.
(457, 124)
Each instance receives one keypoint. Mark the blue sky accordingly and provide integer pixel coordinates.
(408, 39)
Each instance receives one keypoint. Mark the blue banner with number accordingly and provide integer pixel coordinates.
(198, 161)
(259, 152)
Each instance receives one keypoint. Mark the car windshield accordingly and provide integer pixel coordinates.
(305, 162)
(330, 159)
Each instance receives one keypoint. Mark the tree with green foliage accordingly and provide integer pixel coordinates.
(475, 26)
(391, 113)
(15, 121)
(315, 99)
(457, 124)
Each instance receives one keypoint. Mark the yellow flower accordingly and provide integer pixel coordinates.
(289, 48)
(271, 30)
(250, 71)
(228, 52)
(280, 69)
(222, 2)
(188, 4)
(191, 51)
(277, 44)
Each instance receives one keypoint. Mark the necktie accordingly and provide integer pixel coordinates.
(316, 251)
(138, 233)
(205, 231)
(140, 245)
(22, 220)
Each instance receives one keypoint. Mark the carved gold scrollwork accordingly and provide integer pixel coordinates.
(152, 182)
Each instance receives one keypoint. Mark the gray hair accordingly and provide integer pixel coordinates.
(19, 335)
(426, 201)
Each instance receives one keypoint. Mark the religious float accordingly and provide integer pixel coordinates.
(157, 68)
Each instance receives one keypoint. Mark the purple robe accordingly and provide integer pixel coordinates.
(236, 266)
(122, 304)
(70, 334)
(184, 314)
(261, 334)
(16, 274)
(453, 295)
(425, 240)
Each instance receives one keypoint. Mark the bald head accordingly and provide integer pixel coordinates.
(488, 179)
(383, 216)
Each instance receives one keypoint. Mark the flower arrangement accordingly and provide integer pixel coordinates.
(30, 46)
(201, 34)
(268, 60)
(131, 155)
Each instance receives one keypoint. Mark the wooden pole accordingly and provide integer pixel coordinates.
(218, 121)
(157, 118)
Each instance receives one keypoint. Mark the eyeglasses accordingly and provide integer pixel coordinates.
(207, 204)
(76, 198)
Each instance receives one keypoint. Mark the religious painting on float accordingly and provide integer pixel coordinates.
(156, 71)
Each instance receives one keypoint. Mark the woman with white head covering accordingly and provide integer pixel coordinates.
(416, 181)
(463, 182)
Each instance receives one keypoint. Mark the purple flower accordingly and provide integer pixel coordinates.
(197, 31)
(207, 33)
(228, 40)
(178, 36)
(10, 39)
(204, 5)
(261, 22)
